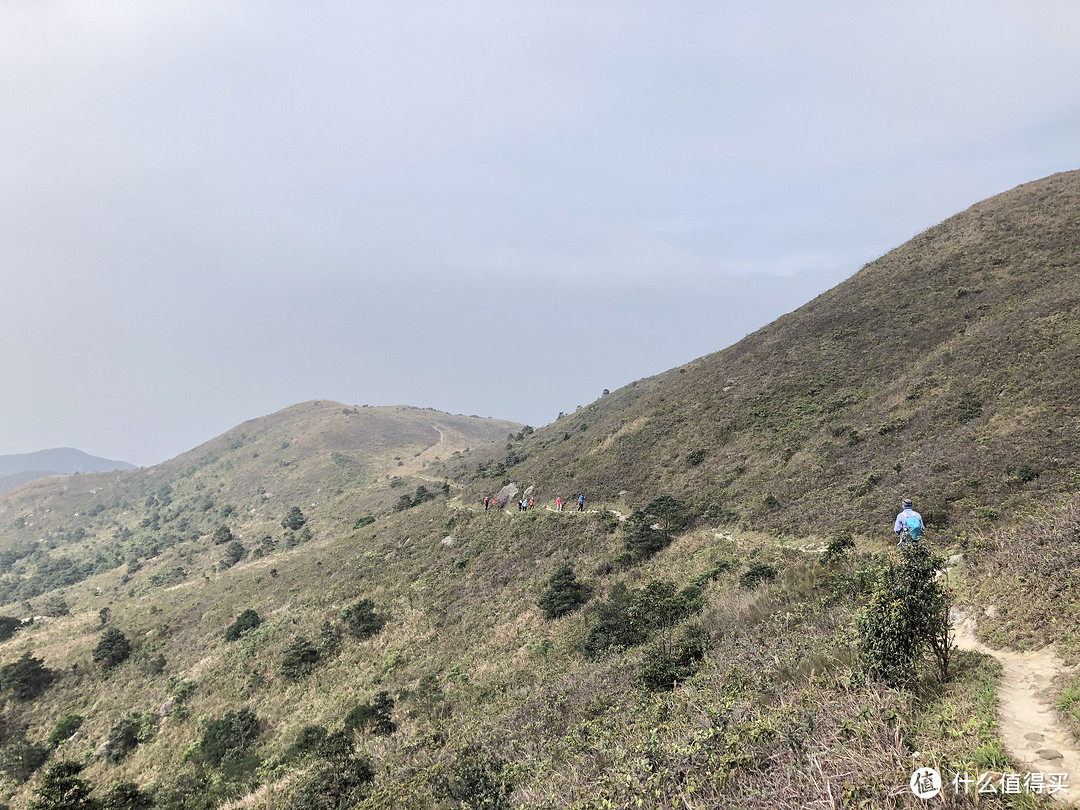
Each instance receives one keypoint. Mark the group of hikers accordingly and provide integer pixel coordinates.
(908, 526)
(525, 504)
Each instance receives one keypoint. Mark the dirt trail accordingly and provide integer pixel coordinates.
(1028, 722)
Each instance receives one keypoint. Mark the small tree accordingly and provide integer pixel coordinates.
(126, 796)
(26, 678)
(294, 521)
(564, 594)
(234, 732)
(234, 553)
(61, 788)
(122, 738)
(362, 620)
(222, 535)
(8, 627)
(113, 648)
(641, 539)
(671, 515)
(373, 716)
(299, 659)
(905, 617)
(248, 620)
(477, 779)
(65, 727)
(20, 758)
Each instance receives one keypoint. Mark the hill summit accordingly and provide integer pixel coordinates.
(945, 371)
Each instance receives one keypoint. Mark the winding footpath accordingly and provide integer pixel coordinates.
(1028, 722)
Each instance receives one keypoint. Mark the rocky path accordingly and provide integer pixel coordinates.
(1028, 722)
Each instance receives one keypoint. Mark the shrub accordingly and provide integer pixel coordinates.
(476, 779)
(329, 641)
(362, 620)
(641, 539)
(374, 716)
(234, 553)
(968, 407)
(364, 520)
(122, 738)
(222, 535)
(126, 796)
(55, 606)
(627, 618)
(906, 616)
(26, 678)
(61, 788)
(20, 758)
(309, 741)
(234, 732)
(838, 546)
(756, 574)
(671, 515)
(9, 625)
(65, 727)
(695, 457)
(294, 521)
(564, 594)
(299, 659)
(248, 620)
(113, 648)
(667, 663)
(333, 784)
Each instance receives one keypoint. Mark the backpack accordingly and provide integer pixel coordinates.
(914, 527)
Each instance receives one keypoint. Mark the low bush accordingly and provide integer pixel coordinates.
(234, 733)
(564, 594)
(362, 620)
(20, 758)
(628, 617)
(113, 648)
(26, 678)
(126, 796)
(65, 727)
(248, 620)
(756, 574)
(234, 553)
(299, 659)
(476, 779)
(667, 663)
(9, 625)
(294, 521)
(373, 716)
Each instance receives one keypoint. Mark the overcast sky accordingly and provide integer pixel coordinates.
(212, 210)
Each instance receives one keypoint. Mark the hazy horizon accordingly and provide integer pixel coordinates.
(212, 211)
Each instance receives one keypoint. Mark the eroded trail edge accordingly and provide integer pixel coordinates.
(1028, 723)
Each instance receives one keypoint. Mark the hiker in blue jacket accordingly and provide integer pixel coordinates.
(908, 526)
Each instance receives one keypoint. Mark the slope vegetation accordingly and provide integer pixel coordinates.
(945, 370)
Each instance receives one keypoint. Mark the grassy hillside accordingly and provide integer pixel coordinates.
(158, 522)
(945, 370)
(391, 644)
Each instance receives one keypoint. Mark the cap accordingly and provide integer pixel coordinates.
(907, 503)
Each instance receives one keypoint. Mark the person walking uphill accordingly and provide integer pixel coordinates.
(581, 503)
(558, 504)
(908, 526)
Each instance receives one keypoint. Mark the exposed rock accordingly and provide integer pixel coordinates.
(448, 541)
(165, 709)
(1049, 754)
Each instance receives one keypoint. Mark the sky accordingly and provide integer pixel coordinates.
(213, 209)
